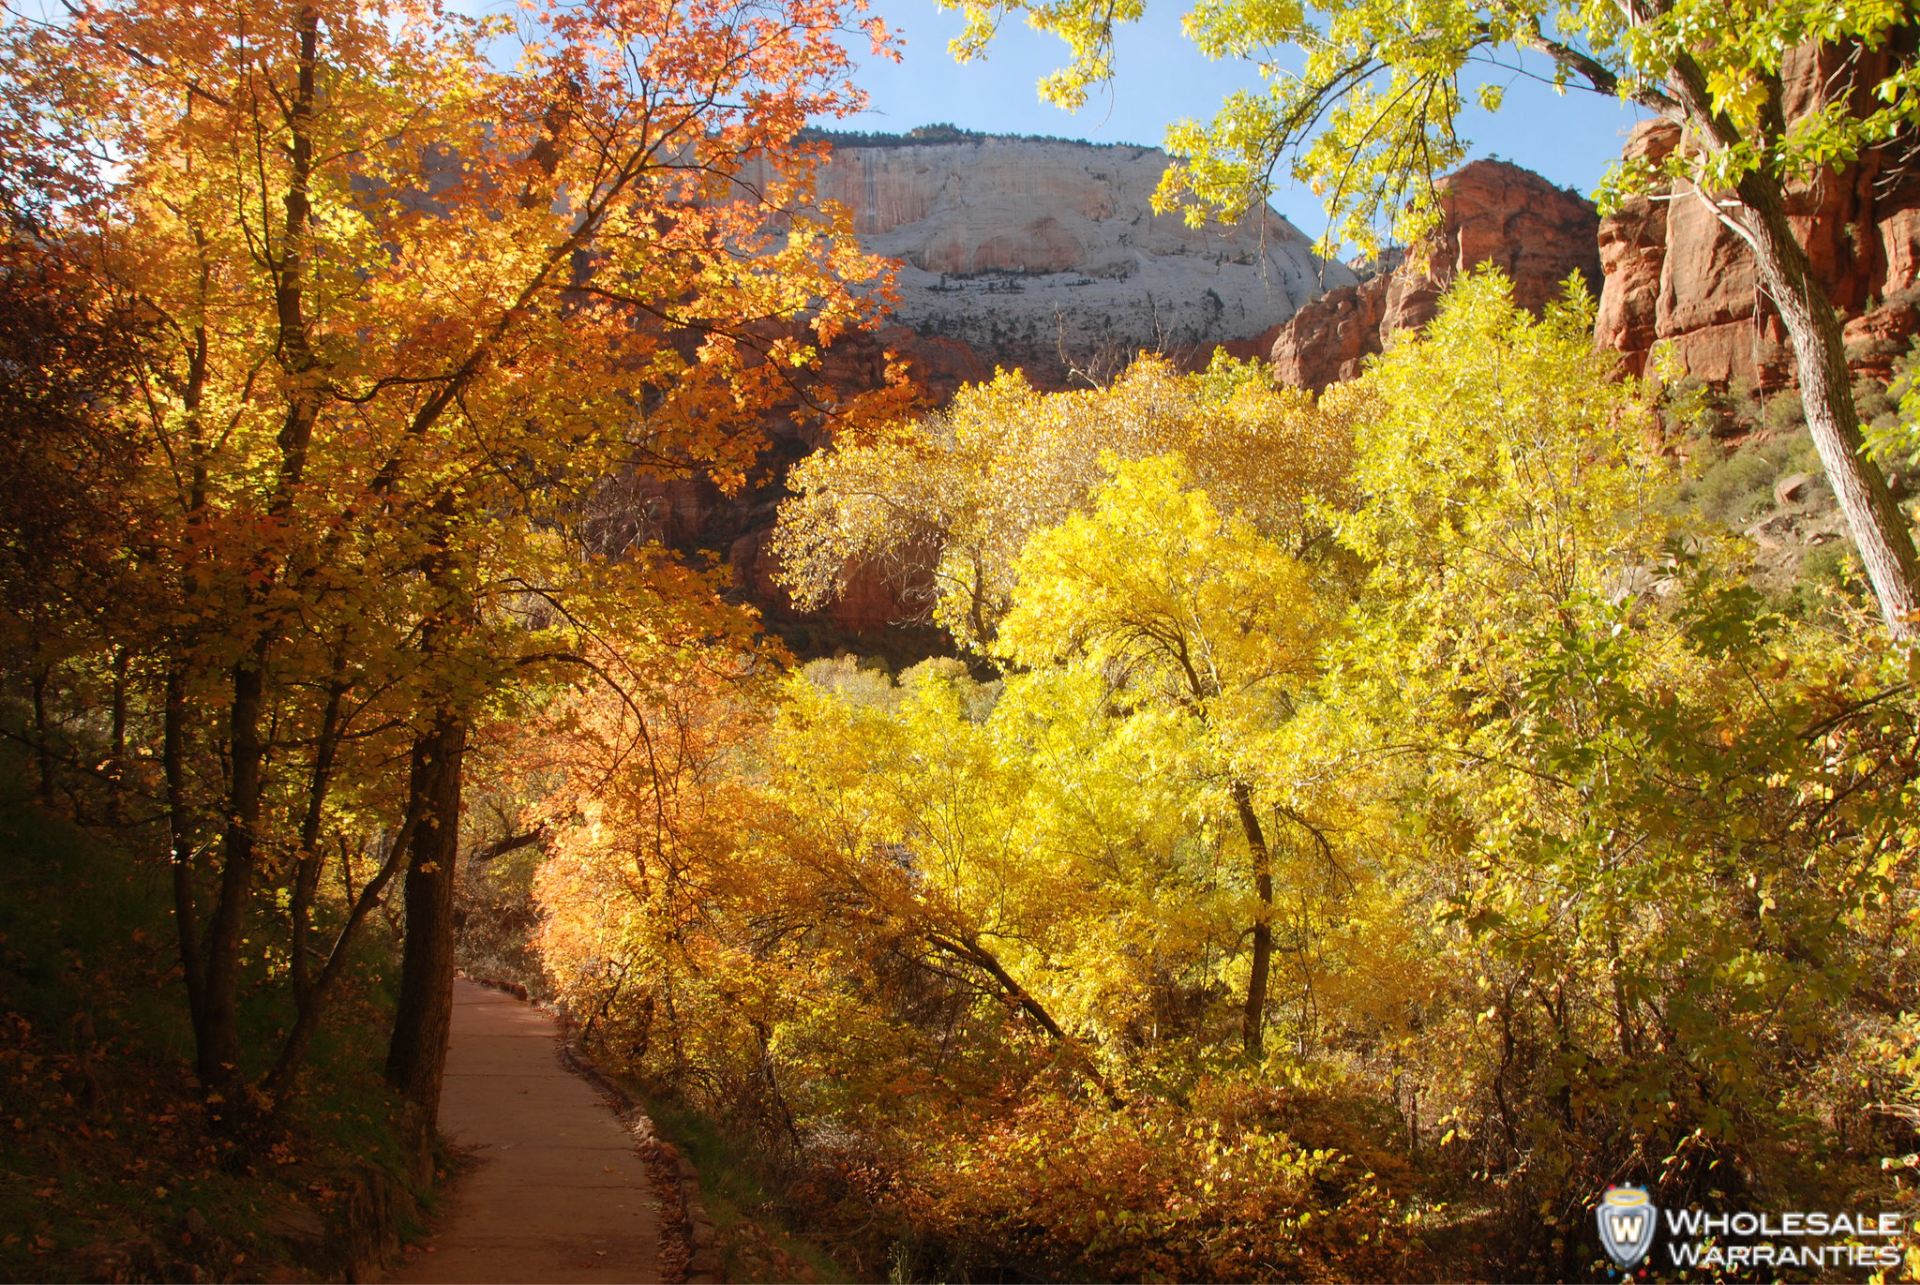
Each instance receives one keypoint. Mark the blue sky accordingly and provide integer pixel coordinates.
(1160, 79)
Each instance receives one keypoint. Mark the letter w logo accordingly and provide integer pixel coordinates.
(1626, 1224)
(1625, 1227)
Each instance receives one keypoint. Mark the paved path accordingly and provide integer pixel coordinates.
(556, 1193)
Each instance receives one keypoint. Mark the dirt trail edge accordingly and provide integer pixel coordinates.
(556, 1192)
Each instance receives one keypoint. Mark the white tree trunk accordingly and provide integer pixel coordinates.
(1880, 531)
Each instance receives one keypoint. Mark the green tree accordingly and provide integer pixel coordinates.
(1363, 98)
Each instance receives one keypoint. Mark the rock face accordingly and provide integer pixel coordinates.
(1047, 254)
(1492, 212)
(1674, 272)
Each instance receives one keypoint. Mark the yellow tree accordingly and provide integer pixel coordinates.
(1205, 631)
(909, 814)
(947, 504)
(1648, 828)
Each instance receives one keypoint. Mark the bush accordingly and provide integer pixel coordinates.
(1737, 488)
(1066, 1189)
(1784, 413)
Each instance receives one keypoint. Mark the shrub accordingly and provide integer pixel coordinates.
(1066, 1189)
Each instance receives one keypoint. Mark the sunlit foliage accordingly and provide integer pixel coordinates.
(1492, 845)
(946, 505)
(371, 319)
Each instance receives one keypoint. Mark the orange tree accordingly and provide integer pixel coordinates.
(410, 310)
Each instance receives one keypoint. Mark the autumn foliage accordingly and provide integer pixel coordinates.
(1350, 833)
(347, 318)
(1340, 871)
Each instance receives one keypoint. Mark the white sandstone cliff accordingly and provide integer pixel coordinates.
(1043, 250)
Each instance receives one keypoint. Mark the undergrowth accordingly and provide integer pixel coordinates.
(108, 1169)
(756, 1219)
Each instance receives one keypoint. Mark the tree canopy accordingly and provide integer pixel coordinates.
(401, 312)
(1363, 101)
(945, 506)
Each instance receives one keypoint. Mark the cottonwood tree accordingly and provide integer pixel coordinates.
(1204, 630)
(1616, 882)
(1640, 823)
(946, 505)
(1362, 103)
(411, 309)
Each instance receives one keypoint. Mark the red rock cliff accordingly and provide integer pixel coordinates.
(1674, 272)
(1492, 212)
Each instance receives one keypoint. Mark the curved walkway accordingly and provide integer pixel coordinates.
(556, 1192)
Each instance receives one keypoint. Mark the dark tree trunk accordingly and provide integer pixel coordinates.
(974, 953)
(43, 746)
(1253, 1021)
(417, 1056)
(173, 753)
(121, 664)
(313, 1000)
(246, 753)
(306, 875)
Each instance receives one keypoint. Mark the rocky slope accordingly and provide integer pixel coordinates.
(1492, 212)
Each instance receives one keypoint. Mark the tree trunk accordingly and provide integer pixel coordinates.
(974, 953)
(219, 1052)
(417, 1056)
(1253, 1020)
(173, 752)
(306, 874)
(1879, 529)
(121, 665)
(313, 1000)
(43, 747)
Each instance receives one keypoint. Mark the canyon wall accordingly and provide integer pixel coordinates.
(1491, 212)
(1046, 254)
(1675, 273)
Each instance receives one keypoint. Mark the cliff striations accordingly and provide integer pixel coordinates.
(1046, 254)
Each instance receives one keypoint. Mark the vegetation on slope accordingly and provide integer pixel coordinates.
(109, 1169)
